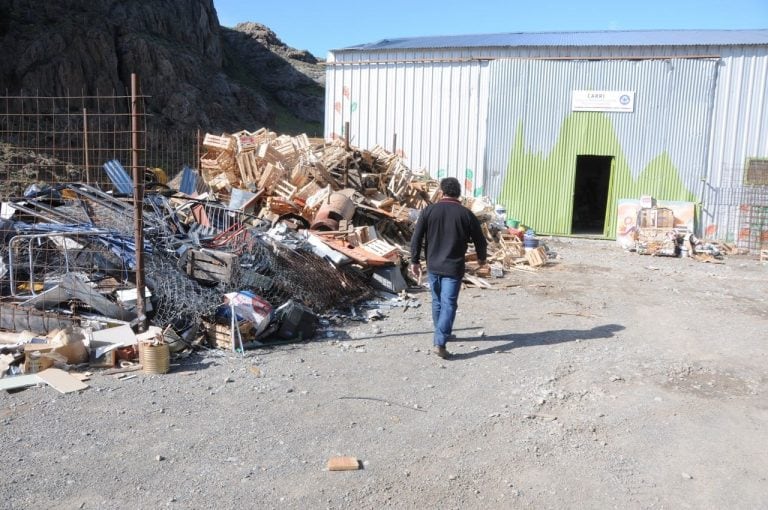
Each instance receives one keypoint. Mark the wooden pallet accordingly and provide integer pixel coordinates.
(400, 181)
(285, 190)
(511, 245)
(220, 182)
(268, 153)
(216, 160)
(270, 177)
(322, 176)
(288, 155)
(212, 266)
(307, 190)
(220, 335)
(246, 142)
(301, 142)
(536, 257)
(301, 175)
(250, 171)
(381, 248)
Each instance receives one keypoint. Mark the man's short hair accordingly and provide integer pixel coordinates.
(450, 187)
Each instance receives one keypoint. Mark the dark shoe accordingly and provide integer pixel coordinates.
(442, 352)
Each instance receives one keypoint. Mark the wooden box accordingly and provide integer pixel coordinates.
(219, 143)
(536, 257)
(220, 335)
(215, 160)
(211, 265)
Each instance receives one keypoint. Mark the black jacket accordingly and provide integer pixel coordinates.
(445, 228)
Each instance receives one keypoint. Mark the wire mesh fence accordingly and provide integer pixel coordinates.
(73, 216)
(741, 211)
(68, 242)
(69, 139)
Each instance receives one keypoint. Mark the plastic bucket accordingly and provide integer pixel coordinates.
(530, 242)
(515, 232)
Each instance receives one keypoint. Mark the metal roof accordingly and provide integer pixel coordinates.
(598, 38)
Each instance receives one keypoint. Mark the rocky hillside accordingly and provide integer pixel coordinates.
(198, 74)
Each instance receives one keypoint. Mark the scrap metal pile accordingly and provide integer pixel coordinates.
(271, 231)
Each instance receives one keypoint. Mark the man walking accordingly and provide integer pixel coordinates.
(444, 229)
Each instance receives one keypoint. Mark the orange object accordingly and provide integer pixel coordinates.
(343, 464)
(356, 253)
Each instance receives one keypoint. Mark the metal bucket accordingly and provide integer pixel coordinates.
(154, 358)
(337, 207)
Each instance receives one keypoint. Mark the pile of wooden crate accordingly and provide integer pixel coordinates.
(294, 168)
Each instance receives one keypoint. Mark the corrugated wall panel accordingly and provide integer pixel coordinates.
(436, 110)
(535, 138)
(739, 132)
(738, 129)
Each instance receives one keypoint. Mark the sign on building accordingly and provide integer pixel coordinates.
(603, 101)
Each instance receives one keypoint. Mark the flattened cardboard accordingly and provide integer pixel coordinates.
(119, 335)
(61, 381)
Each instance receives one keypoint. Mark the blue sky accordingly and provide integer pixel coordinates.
(323, 26)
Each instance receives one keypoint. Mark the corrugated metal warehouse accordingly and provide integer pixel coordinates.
(558, 127)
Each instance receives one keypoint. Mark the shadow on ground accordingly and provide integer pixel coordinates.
(515, 340)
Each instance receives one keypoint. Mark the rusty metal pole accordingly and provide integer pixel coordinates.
(345, 181)
(198, 152)
(346, 135)
(85, 147)
(138, 205)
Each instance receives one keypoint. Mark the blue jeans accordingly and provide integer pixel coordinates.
(445, 298)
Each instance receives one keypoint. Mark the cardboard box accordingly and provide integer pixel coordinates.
(102, 360)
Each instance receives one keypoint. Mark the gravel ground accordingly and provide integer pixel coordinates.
(606, 380)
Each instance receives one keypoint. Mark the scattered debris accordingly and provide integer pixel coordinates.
(544, 417)
(658, 232)
(271, 233)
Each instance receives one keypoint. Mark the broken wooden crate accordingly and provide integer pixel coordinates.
(219, 335)
(224, 142)
(211, 265)
(536, 257)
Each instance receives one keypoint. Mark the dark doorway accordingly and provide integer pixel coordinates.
(590, 194)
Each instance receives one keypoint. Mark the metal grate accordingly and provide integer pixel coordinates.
(742, 211)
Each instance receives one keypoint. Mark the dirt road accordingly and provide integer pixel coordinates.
(608, 380)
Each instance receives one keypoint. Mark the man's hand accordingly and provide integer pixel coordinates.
(416, 270)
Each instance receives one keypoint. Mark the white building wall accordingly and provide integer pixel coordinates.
(436, 102)
(739, 132)
(432, 112)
